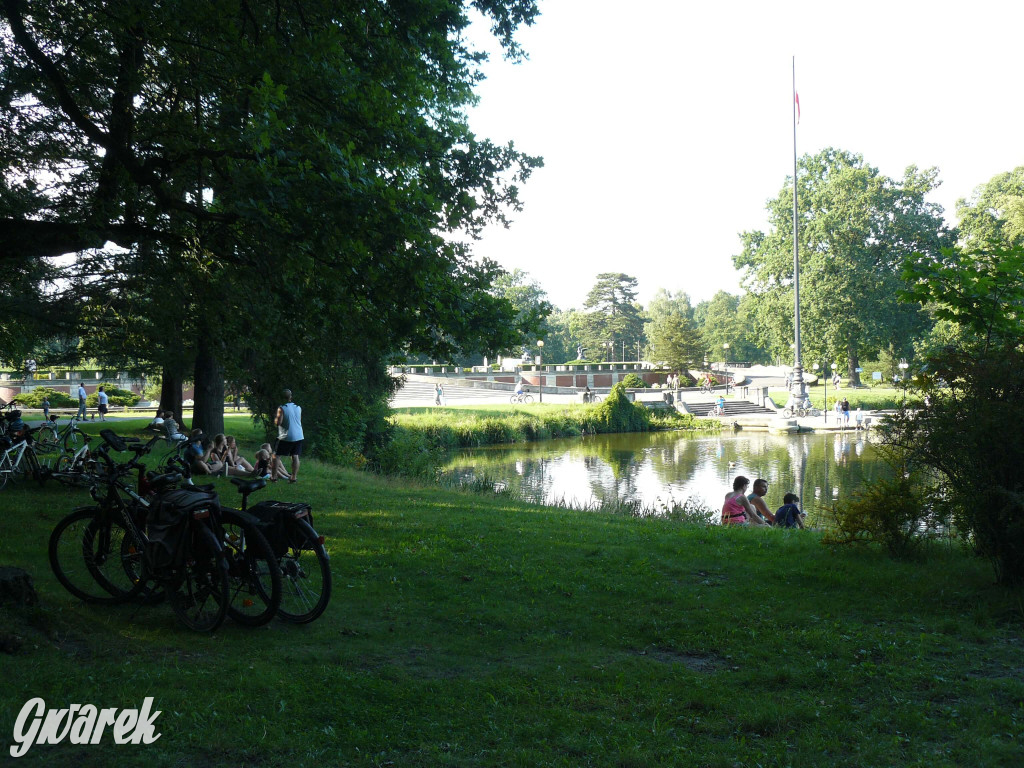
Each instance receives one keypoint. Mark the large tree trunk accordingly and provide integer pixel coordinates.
(208, 411)
(852, 366)
(170, 393)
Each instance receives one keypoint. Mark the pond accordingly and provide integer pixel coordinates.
(660, 469)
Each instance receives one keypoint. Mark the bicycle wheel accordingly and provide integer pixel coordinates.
(199, 594)
(254, 577)
(513, 399)
(5, 470)
(788, 413)
(306, 576)
(73, 440)
(47, 440)
(95, 560)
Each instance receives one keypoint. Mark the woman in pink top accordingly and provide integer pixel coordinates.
(737, 510)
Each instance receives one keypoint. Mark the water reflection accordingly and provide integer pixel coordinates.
(666, 467)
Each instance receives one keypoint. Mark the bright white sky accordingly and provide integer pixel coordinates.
(666, 125)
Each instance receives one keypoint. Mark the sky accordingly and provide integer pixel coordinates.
(666, 125)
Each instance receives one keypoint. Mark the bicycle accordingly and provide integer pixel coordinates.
(304, 562)
(800, 411)
(19, 459)
(109, 553)
(706, 388)
(521, 398)
(254, 573)
(75, 465)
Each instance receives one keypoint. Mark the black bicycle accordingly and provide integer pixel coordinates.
(130, 542)
(305, 564)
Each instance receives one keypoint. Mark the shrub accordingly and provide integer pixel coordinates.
(893, 512)
(633, 381)
(617, 414)
(34, 399)
(117, 397)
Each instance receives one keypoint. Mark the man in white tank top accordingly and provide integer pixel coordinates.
(289, 433)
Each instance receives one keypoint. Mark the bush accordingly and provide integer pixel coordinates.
(617, 414)
(633, 381)
(117, 397)
(893, 512)
(34, 399)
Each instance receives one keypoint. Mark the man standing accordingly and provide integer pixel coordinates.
(81, 401)
(289, 433)
(103, 400)
(756, 500)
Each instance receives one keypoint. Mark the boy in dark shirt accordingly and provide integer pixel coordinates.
(789, 514)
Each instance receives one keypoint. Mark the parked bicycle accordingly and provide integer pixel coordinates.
(801, 411)
(113, 551)
(305, 564)
(19, 460)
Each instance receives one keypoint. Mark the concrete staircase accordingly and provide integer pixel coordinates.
(733, 408)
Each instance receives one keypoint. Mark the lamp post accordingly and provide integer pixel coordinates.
(726, 348)
(903, 376)
(825, 380)
(540, 370)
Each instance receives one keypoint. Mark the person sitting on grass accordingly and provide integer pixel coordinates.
(276, 466)
(171, 429)
(199, 459)
(234, 457)
(756, 500)
(789, 514)
(737, 510)
(219, 453)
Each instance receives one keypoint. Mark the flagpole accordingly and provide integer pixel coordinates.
(797, 392)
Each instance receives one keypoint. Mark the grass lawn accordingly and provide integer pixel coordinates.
(868, 398)
(470, 630)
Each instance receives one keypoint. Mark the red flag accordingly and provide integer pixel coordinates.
(796, 98)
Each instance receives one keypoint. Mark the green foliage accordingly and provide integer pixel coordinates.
(117, 396)
(856, 229)
(633, 381)
(980, 290)
(725, 319)
(970, 438)
(672, 333)
(34, 399)
(617, 414)
(614, 318)
(204, 140)
(894, 512)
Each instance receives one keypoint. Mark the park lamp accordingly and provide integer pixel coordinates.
(726, 348)
(540, 370)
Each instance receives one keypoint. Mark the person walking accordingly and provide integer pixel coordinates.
(81, 401)
(846, 413)
(46, 408)
(102, 402)
(289, 433)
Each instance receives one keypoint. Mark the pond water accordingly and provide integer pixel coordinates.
(660, 469)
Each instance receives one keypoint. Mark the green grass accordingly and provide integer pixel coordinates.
(470, 630)
(870, 399)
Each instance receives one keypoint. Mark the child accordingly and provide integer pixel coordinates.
(262, 464)
(789, 514)
(276, 466)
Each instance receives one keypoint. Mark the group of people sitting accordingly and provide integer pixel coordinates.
(220, 456)
(741, 508)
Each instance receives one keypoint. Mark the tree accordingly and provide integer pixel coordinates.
(856, 229)
(671, 331)
(529, 301)
(724, 319)
(309, 161)
(994, 215)
(614, 316)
